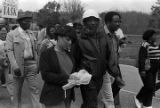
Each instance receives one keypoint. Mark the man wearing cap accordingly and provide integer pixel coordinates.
(22, 54)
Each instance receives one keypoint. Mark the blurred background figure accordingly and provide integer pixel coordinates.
(41, 36)
(5, 75)
(50, 40)
(78, 28)
(3, 34)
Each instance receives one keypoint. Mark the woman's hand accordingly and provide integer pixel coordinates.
(73, 77)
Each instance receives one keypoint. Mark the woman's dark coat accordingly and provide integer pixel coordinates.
(54, 79)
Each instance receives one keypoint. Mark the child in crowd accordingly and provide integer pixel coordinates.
(148, 64)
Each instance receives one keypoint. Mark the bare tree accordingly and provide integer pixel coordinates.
(72, 9)
(49, 14)
(154, 22)
(156, 9)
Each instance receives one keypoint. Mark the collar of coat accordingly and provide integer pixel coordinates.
(24, 31)
(108, 32)
(17, 33)
(86, 34)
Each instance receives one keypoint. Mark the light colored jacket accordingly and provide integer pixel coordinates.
(15, 49)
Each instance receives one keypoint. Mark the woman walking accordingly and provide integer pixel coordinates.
(148, 64)
(56, 65)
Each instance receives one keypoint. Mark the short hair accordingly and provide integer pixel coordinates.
(65, 31)
(108, 16)
(48, 30)
(148, 34)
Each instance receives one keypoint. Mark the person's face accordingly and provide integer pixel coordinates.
(52, 31)
(64, 43)
(3, 33)
(92, 23)
(25, 23)
(78, 29)
(115, 23)
(154, 38)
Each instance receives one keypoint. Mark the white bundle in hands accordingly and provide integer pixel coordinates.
(78, 78)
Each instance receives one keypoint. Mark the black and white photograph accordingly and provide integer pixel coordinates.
(79, 53)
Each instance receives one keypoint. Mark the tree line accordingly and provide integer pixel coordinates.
(71, 10)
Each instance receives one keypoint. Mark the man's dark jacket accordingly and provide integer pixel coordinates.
(90, 54)
(93, 54)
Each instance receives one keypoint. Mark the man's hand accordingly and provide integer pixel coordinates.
(17, 72)
(120, 82)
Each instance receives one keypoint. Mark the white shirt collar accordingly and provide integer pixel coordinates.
(106, 29)
(21, 30)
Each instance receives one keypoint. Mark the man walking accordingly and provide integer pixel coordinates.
(91, 54)
(22, 54)
(112, 23)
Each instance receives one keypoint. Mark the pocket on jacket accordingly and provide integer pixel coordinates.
(16, 40)
(16, 43)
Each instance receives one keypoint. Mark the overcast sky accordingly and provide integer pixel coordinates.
(99, 5)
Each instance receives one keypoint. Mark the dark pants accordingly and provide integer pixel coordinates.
(3, 79)
(115, 90)
(145, 95)
(90, 94)
(157, 86)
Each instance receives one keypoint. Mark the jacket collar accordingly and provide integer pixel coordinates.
(108, 32)
(23, 31)
(19, 30)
